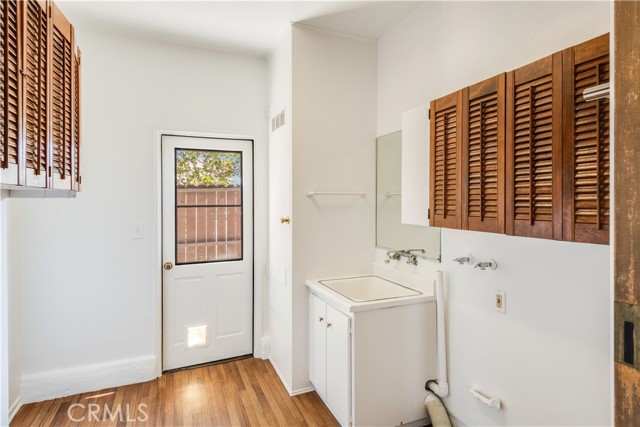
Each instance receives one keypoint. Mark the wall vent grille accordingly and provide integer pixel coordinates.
(277, 121)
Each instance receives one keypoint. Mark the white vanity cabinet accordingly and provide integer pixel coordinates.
(329, 356)
(369, 361)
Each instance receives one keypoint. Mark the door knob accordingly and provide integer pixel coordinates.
(168, 265)
(285, 220)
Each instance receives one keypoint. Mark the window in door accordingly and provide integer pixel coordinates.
(208, 206)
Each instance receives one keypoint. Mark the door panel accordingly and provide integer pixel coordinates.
(207, 204)
(338, 363)
(318, 345)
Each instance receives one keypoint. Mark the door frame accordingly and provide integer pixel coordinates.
(260, 224)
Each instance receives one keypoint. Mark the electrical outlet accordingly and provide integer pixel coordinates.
(501, 301)
(137, 231)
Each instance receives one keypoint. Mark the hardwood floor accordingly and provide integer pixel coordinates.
(245, 392)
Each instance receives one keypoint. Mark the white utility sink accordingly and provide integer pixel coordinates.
(368, 288)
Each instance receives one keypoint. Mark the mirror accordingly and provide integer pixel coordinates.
(390, 232)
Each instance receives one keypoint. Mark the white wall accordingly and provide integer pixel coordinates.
(4, 312)
(334, 125)
(280, 241)
(10, 317)
(89, 290)
(548, 358)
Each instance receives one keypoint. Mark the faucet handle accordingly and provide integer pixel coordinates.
(469, 259)
(483, 265)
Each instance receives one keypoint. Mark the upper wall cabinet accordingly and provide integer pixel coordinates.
(35, 92)
(483, 153)
(40, 92)
(61, 101)
(586, 144)
(534, 149)
(77, 109)
(525, 154)
(10, 91)
(446, 152)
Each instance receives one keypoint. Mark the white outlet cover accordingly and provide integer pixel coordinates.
(137, 231)
(503, 295)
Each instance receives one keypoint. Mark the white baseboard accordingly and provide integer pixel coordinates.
(302, 391)
(455, 422)
(286, 384)
(14, 408)
(282, 379)
(83, 379)
(418, 423)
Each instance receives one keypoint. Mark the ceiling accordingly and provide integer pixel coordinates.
(245, 27)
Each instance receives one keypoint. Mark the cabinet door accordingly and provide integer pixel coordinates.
(586, 139)
(534, 150)
(61, 100)
(338, 364)
(35, 92)
(9, 92)
(483, 117)
(318, 345)
(446, 153)
(77, 117)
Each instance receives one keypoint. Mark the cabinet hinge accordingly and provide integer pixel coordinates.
(80, 180)
(49, 170)
(429, 213)
(429, 114)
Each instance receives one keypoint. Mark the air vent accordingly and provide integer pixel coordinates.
(277, 121)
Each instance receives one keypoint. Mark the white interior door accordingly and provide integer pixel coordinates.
(207, 246)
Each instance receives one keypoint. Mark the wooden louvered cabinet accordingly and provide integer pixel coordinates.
(446, 153)
(10, 60)
(534, 150)
(62, 100)
(586, 144)
(35, 92)
(483, 154)
(40, 92)
(77, 109)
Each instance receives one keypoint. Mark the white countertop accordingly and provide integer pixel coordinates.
(349, 306)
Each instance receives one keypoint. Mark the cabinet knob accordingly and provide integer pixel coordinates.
(320, 319)
(328, 325)
(168, 265)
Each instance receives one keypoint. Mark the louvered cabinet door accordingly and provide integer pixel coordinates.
(446, 153)
(77, 116)
(61, 101)
(9, 92)
(534, 150)
(586, 139)
(35, 29)
(483, 151)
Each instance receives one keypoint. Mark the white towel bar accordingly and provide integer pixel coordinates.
(334, 193)
(492, 402)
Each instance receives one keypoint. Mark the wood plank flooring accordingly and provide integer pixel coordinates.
(245, 392)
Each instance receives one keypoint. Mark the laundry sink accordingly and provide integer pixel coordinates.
(368, 288)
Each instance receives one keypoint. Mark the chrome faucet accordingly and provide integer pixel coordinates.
(483, 265)
(469, 259)
(408, 253)
(393, 255)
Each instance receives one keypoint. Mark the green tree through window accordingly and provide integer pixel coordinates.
(196, 168)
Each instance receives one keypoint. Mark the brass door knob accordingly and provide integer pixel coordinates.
(285, 220)
(168, 265)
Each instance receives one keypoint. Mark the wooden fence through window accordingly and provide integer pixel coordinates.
(208, 224)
